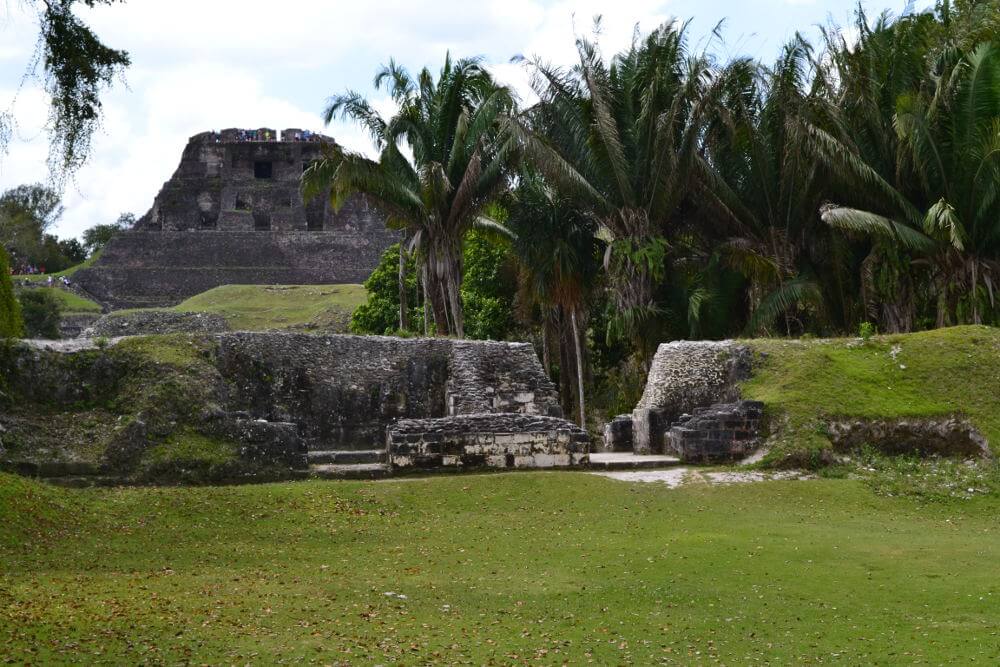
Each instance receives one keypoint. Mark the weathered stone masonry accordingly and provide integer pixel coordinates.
(428, 402)
(283, 397)
(232, 213)
(502, 440)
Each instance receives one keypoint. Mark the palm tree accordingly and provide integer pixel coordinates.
(941, 200)
(620, 140)
(460, 163)
(558, 253)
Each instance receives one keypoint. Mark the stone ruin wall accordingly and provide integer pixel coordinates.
(233, 213)
(344, 391)
(283, 395)
(691, 405)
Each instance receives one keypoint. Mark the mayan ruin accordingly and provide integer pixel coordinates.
(658, 332)
(233, 214)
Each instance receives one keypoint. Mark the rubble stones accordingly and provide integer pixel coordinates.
(156, 322)
(722, 432)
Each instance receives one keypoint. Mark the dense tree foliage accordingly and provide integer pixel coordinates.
(27, 212)
(41, 312)
(98, 236)
(661, 193)
(11, 324)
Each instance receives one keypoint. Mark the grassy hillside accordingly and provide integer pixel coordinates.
(532, 568)
(71, 302)
(952, 371)
(259, 307)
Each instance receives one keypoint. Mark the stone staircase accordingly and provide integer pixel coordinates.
(347, 463)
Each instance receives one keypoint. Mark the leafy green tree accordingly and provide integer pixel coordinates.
(41, 312)
(943, 203)
(26, 213)
(11, 323)
(76, 67)
(380, 313)
(489, 286)
(98, 236)
(452, 126)
(72, 250)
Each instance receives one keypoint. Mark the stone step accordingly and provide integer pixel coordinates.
(350, 471)
(347, 457)
(630, 461)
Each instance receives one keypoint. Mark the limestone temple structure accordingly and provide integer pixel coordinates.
(232, 213)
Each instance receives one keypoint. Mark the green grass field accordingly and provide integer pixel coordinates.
(260, 307)
(529, 568)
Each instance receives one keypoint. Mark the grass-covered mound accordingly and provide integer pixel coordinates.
(69, 302)
(532, 568)
(932, 374)
(325, 308)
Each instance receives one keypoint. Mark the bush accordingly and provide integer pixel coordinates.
(42, 312)
(11, 324)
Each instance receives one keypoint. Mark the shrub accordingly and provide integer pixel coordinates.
(11, 324)
(41, 312)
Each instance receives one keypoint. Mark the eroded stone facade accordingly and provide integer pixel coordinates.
(504, 440)
(232, 213)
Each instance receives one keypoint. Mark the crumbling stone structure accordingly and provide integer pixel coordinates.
(686, 375)
(344, 391)
(690, 406)
(502, 440)
(232, 213)
(287, 399)
(721, 432)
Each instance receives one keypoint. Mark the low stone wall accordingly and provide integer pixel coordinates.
(684, 376)
(156, 322)
(343, 391)
(949, 436)
(499, 440)
(74, 324)
(722, 432)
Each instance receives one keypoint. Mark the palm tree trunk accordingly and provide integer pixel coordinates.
(455, 301)
(404, 320)
(579, 369)
(546, 350)
(427, 301)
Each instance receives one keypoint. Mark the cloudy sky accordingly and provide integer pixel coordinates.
(207, 64)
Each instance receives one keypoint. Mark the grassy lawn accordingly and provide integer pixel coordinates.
(927, 374)
(260, 307)
(71, 302)
(539, 568)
